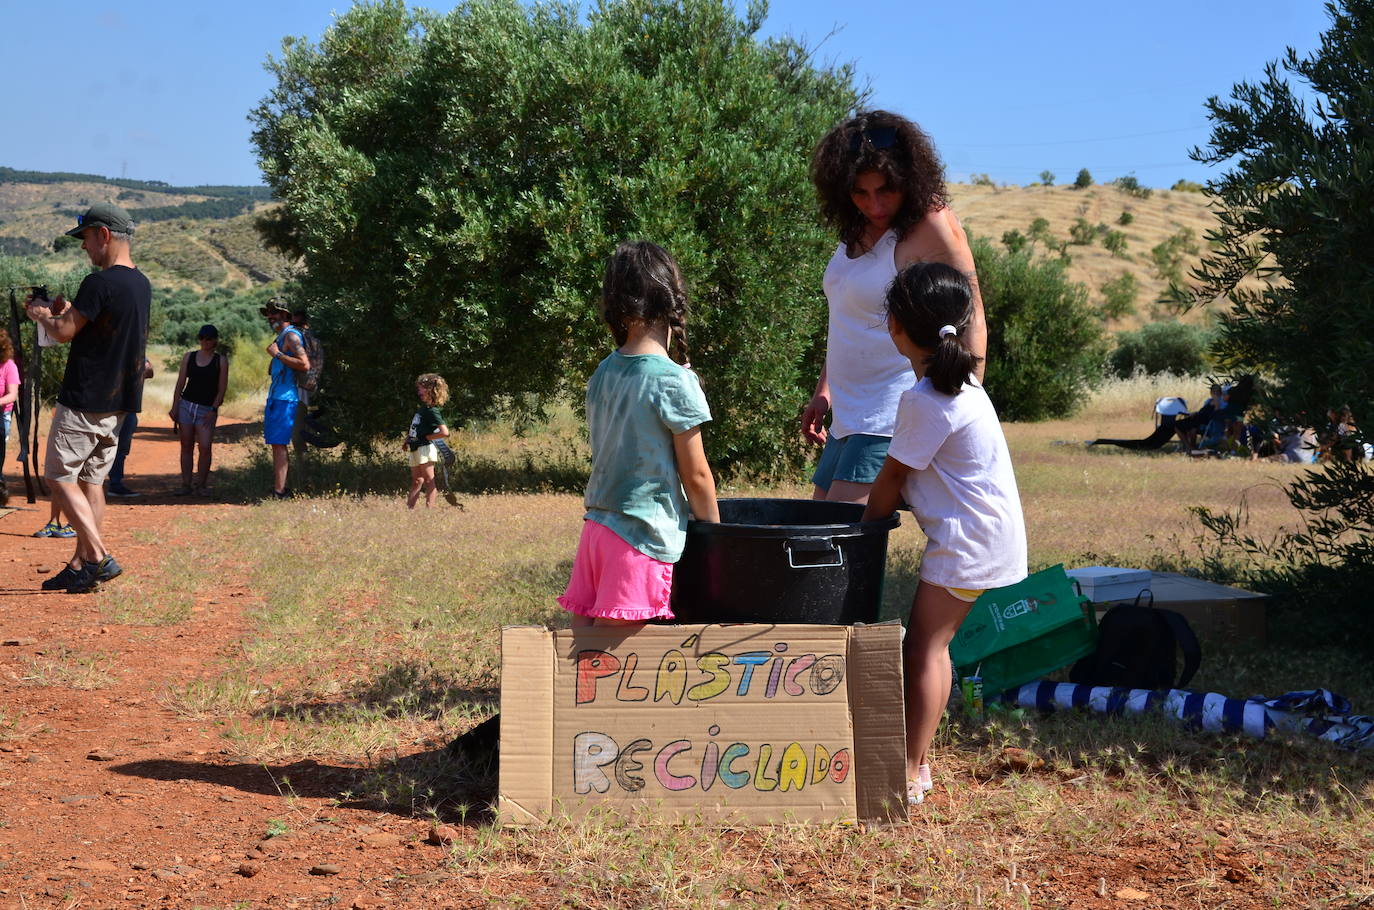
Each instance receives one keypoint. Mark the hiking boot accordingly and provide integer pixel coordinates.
(64, 531)
(50, 529)
(107, 568)
(83, 580)
(60, 581)
(117, 488)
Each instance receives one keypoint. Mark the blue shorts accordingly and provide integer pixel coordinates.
(277, 421)
(856, 459)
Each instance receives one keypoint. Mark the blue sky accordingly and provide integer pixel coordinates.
(1004, 88)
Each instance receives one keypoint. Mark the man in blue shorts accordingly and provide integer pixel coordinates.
(288, 356)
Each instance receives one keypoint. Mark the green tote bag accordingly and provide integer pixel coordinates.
(1019, 633)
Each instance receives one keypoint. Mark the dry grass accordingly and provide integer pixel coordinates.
(380, 645)
(990, 211)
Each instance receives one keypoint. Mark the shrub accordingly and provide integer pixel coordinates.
(1014, 241)
(1125, 218)
(1047, 178)
(1084, 180)
(981, 180)
(1081, 233)
(1045, 346)
(1186, 186)
(1168, 255)
(1115, 242)
(1162, 347)
(1119, 295)
(1132, 187)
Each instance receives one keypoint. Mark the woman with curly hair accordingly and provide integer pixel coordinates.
(881, 187)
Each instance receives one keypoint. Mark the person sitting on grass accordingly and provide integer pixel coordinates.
(426, 427)
(949, 460)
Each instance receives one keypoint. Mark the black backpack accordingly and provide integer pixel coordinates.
(1137, 648)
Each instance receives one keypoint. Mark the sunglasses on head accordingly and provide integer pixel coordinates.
(876, 137)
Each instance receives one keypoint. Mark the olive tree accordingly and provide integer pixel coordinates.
(454, 184)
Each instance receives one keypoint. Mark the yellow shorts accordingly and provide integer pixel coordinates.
(967, 595)
(425, 454)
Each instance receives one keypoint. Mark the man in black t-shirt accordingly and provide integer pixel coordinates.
(107, 325)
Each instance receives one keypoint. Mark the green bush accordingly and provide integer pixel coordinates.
(1081, 233)
(1084, 180)
(1132, 187)
(1187, 186)
(1119, 295)
(1014, 241)
(1114, 242)
(183, 312)
(1045, 344)
(1125, 218)
(1169, 255)
(497, 154)
(1162, 347)
(1047, 178)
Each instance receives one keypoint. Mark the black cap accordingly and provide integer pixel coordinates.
(103, 214)
(208, 331)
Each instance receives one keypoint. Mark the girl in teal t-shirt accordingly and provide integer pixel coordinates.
(644, 414)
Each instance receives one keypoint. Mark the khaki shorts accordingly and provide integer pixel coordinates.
(81, 445)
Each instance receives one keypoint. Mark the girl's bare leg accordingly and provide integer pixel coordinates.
(417, 482)
(186, 433)
(935, 616)
(204, 434)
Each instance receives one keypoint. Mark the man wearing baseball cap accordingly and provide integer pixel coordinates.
(283, 398)
(107, 325)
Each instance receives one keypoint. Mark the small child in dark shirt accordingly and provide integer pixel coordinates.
(425, 427)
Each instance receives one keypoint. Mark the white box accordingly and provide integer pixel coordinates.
(1108, 584)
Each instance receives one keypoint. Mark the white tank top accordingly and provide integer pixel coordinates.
(867, 373)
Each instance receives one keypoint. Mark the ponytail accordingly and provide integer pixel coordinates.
(950, 366)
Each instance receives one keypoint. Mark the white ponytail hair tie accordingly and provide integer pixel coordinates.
(947, 330)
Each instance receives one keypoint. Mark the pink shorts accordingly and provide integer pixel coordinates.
(613, 580)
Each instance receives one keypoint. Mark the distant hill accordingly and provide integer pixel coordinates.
(196, 237)
(991, 211)
(202, 237)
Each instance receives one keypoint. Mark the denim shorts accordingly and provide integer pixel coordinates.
(856, 459)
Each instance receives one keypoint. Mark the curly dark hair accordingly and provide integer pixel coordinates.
(907, 159)
(6, 346)
(643, 282)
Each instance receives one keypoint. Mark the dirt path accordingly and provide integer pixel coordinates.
(110, 799)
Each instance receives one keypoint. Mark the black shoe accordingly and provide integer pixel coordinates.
(84, 580)
(282, 494)
(116, 488)
(60, 581)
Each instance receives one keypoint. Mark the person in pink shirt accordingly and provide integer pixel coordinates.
(9, 394)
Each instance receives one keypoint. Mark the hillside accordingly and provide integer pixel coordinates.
(188, 237)
(198, 252)
(990, 211)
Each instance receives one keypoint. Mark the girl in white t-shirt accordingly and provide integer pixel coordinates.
(949, 461)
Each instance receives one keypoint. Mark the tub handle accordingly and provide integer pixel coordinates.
(813, 545)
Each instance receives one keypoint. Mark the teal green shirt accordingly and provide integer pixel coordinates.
(635, 405)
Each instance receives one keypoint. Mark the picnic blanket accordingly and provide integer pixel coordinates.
(1318, 713)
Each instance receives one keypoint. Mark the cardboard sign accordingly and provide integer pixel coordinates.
(749, 722)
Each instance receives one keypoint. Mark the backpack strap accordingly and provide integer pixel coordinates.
(1187, 642)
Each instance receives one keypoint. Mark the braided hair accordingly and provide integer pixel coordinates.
(643, 283)
(933, 304)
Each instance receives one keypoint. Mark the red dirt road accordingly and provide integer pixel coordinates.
(110, 799)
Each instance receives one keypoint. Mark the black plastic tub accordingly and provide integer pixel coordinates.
(783, 560)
